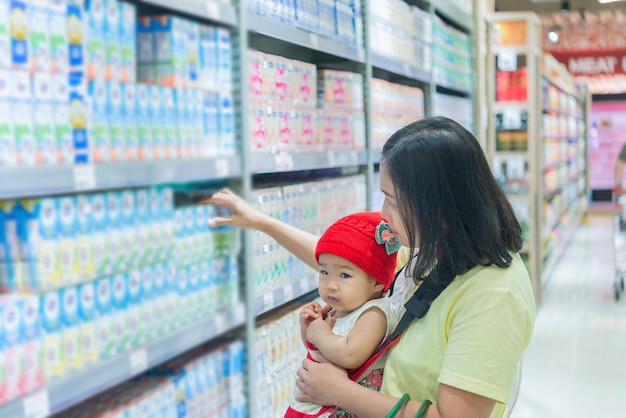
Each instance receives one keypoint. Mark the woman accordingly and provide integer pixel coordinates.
(440, 197)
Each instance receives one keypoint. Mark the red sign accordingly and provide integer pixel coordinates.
(593, 63)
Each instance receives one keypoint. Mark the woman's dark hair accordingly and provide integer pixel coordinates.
(444, 184)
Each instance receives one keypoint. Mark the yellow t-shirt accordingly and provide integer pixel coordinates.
(472, 338)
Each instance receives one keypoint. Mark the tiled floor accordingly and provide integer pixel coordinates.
(575, 366)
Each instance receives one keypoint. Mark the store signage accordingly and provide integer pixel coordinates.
(593, 63)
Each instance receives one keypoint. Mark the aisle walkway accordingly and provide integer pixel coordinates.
(575, 366)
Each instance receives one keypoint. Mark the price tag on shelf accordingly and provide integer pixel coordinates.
(240, 313)
(84, 177)
(512, 118)
(406, 70)
(288, 292)
(37, 405)
(304, 285)
(284, 162)
(138, 361)
(314, 40)
(332, 159)
(221, 167)
(213, 9)
(354, 158)
(507, 60)
(268, 300)
(220, 323)
(361, 54)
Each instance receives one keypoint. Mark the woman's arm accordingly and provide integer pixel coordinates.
(298, 242)
(326, 384)
(354, 349)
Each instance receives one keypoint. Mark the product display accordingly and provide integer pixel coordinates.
(538, 151)
(114, 115)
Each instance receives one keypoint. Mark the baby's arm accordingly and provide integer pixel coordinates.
(353, 350)
(308, 314)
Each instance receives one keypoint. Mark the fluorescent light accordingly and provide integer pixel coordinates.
(553, 37)
(608, 1)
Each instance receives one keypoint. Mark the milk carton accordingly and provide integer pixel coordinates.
(95, 50)
(156, 231)
(226, 125)
(114, 227)
(209, 64)
(144, 127)
(3, 387)
(100, 234)
(84, 238)
(9, 246)
(11, 317)
(99, 127)
(184, 305)
(5, 35)
(128, 229)
(57, 24)
(146, 306)
(18, 32)
(87, 323)
(116, 120)
(170, 53)
(129, 121)
(182, 147)
(52, 336)
(70, 330)
(78, 119)
(104, 318)
(61, 119)
(68, 239)
(33, 377)
(170, 131)
(112, 40)
(208, 302)
(39, 35)
(128, 37)
(191, 236)
(119, 302)
(195, 295)
(134, 288)
(22, 117)
(75, 36)
(156, 122)
(197, 102)
(224, 48)
(142, 225)
(7, 140)
(38, 234)
(193, 54)
(171, 297)
(43, 129)
(210, 119)
(145, 50)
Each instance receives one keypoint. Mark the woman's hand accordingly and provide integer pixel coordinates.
(318, 382)
(243, 215)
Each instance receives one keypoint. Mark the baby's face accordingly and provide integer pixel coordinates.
(343, 285)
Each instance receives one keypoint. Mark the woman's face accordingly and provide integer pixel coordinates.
(389, 210)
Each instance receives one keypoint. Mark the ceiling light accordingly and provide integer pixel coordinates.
(553, 36)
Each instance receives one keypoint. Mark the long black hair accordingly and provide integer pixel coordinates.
(448, 196)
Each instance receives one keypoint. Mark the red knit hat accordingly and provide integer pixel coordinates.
(364, 239)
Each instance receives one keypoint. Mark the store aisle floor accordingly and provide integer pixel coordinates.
(575, 366)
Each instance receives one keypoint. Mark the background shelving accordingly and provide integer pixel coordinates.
(391, 86)
(538, 142)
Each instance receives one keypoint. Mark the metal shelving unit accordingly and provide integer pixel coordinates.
(40, 181)
(247, 28)
(94, 379)
(517, 43)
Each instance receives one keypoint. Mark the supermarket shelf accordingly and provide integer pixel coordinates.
(210, 9)
(557, 251)
(400, 68)
(452, 10)
(295, 35)
(502, 105)
(511, 154)
(272, 163)
(455, 87)
(104, 375)
(284, 294)
(40, 181)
